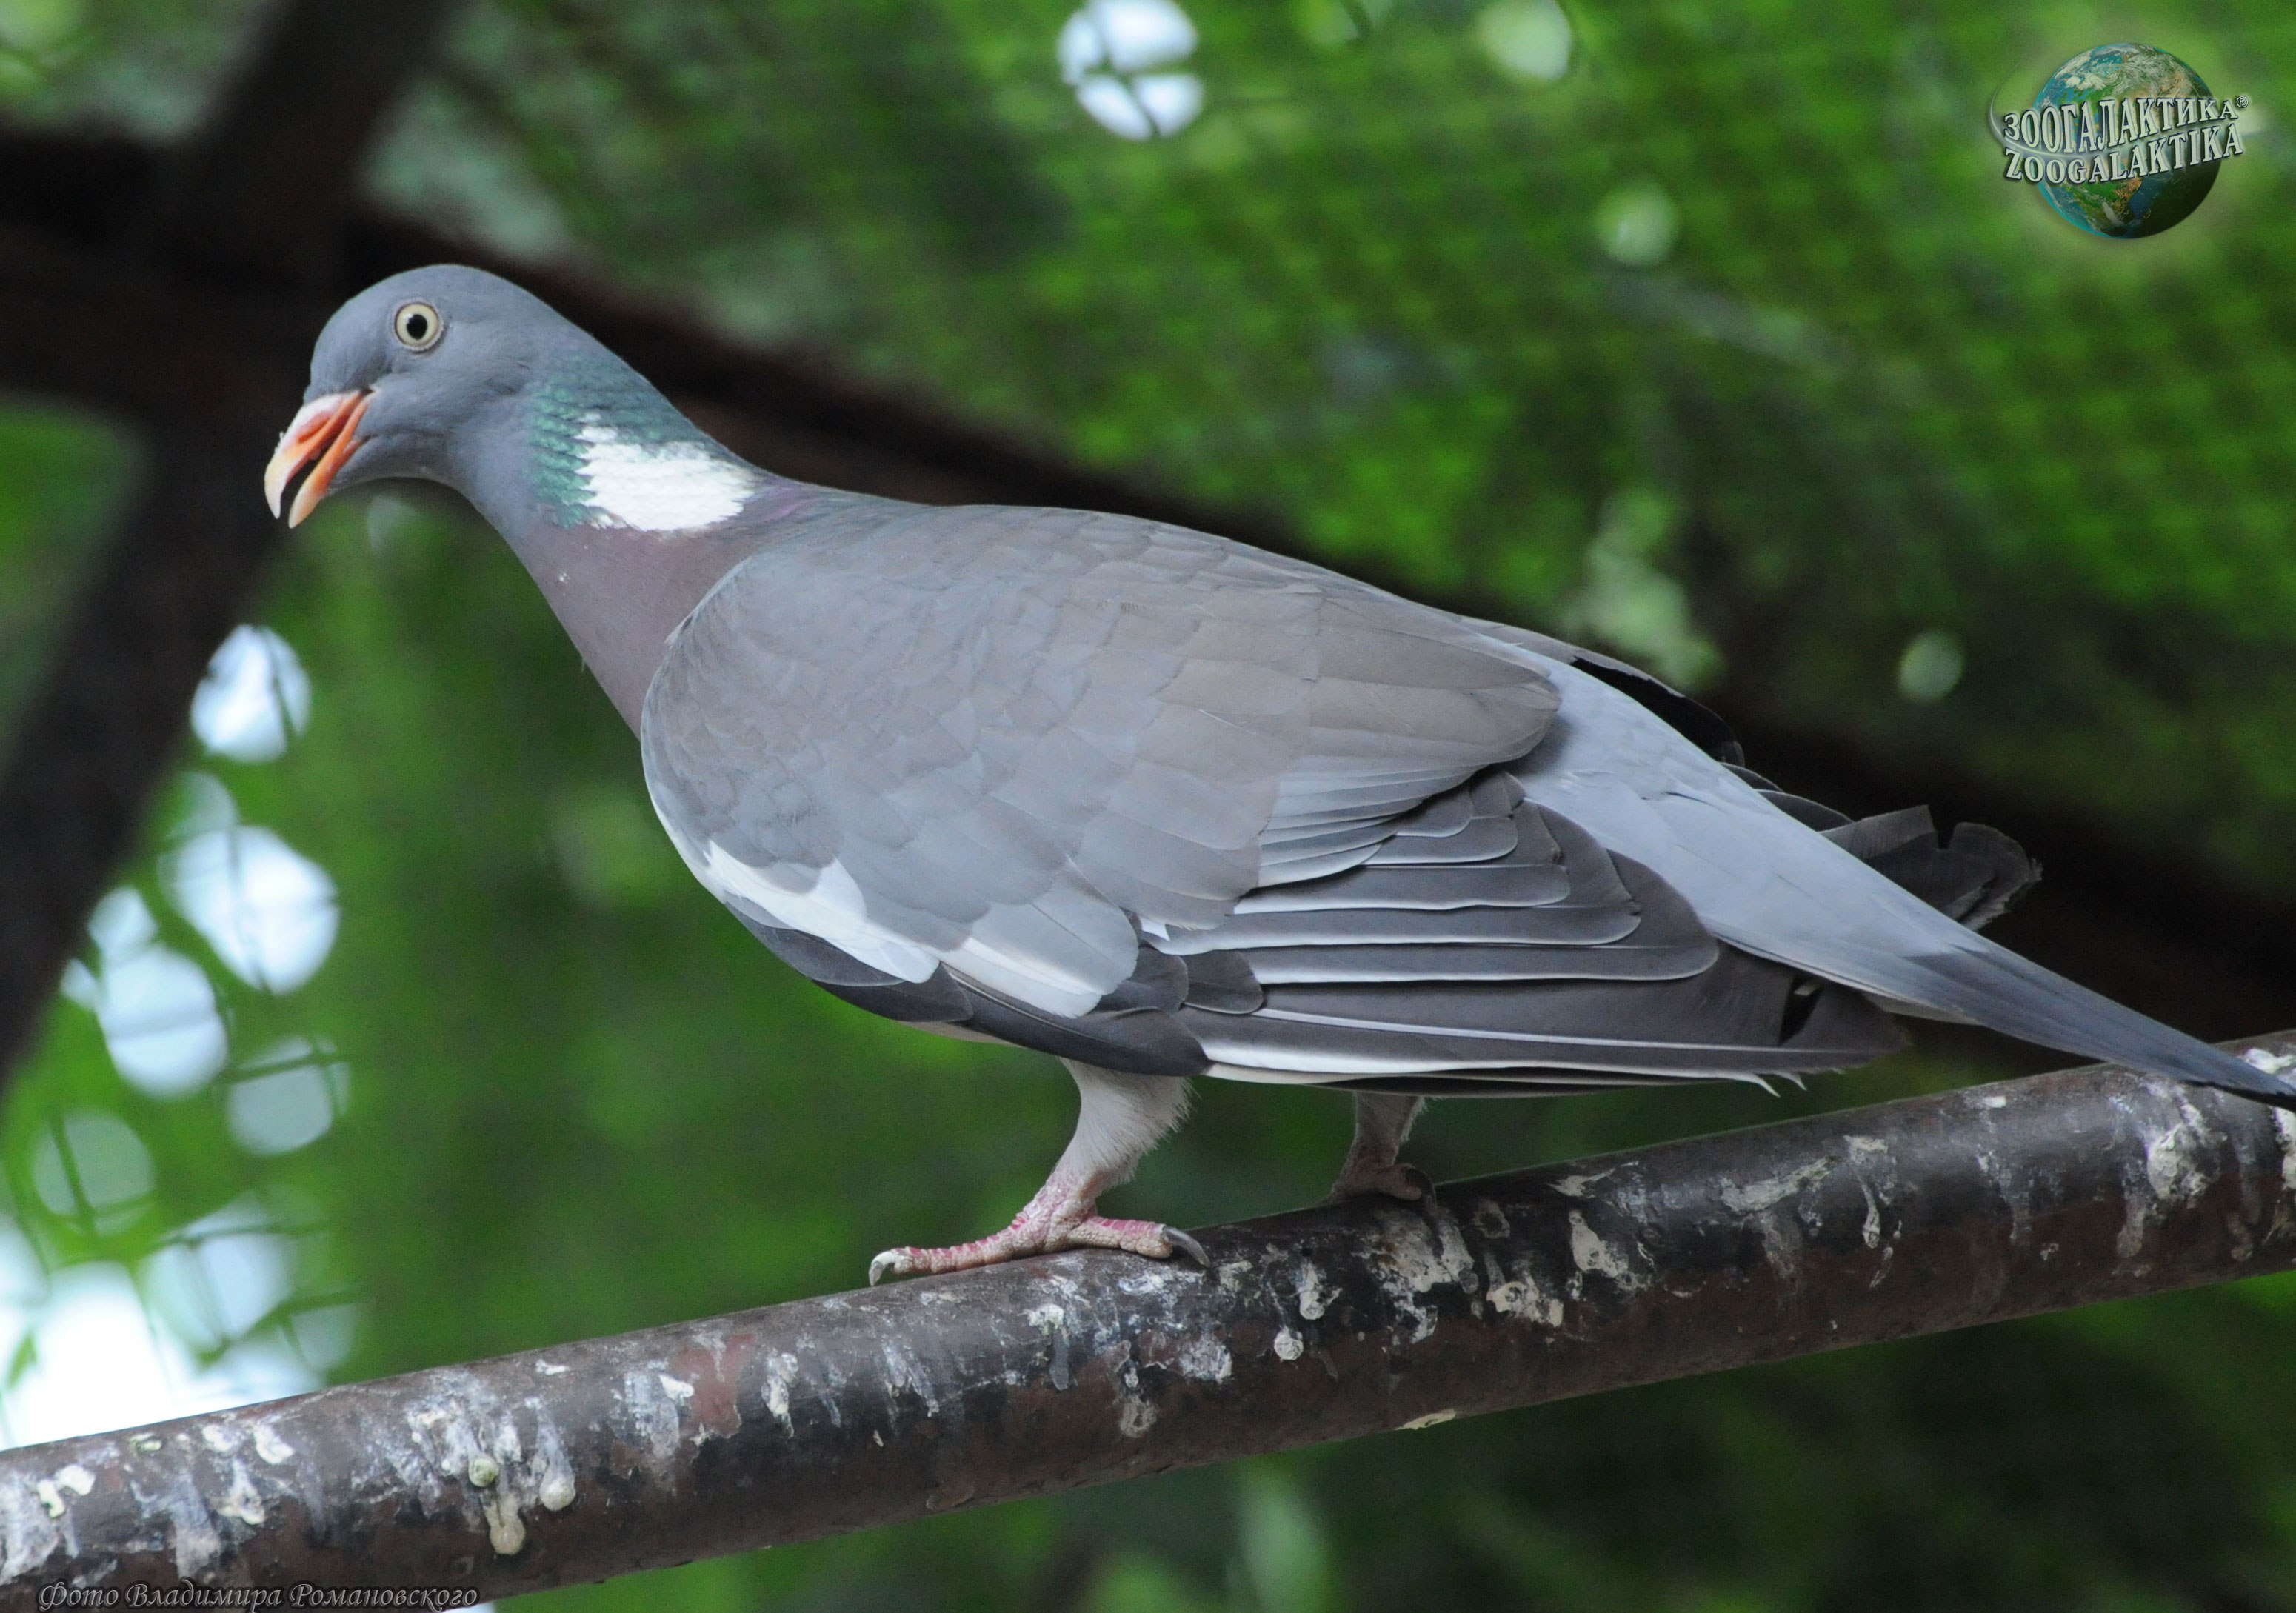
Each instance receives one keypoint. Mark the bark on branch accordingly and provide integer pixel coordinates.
(803, 1420)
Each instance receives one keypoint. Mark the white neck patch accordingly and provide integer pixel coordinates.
(655, 486)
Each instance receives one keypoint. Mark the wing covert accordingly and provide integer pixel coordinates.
(1009, 743)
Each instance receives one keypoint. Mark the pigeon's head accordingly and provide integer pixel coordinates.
(409, 379)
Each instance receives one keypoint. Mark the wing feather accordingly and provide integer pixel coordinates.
(1133, 795)
(1026, 737)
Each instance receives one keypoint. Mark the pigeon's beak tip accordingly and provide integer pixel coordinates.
(323, 435)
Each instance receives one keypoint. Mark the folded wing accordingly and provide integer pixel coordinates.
(1157, 802)
(1010, 744)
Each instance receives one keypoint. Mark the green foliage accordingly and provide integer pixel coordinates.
(1707, 329)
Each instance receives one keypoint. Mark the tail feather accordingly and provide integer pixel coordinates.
(1996, 987)
(1873, 905)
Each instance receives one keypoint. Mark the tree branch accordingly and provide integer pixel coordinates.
(826, 1415)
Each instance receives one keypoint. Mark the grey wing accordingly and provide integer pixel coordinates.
(1816, 923)
(1553, 965)
(970, 765)
(1142, 797)
(1547, 960)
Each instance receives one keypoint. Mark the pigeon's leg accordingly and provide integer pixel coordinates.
(1382, 1121)
(1120, 1119)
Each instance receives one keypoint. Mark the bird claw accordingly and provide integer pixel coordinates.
(1183, 1244)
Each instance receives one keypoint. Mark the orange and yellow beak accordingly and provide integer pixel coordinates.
(324, 431)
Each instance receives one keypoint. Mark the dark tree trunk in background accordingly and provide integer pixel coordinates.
(240, 224)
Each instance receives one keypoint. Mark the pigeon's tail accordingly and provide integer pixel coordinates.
(1996, 987)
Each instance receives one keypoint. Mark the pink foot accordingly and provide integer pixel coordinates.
(1056, 1218)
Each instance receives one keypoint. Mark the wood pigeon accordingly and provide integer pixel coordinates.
(1162, 805)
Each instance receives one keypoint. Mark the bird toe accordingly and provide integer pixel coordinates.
(1405, 1183)
(1151, 1240)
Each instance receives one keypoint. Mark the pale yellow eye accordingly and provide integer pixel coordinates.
(417, 326)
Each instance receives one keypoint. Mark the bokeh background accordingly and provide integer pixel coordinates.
(1703, 330)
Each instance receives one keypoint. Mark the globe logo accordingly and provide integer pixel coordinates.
(2124, 140)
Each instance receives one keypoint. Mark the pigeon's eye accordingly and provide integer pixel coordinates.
(417, 326)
